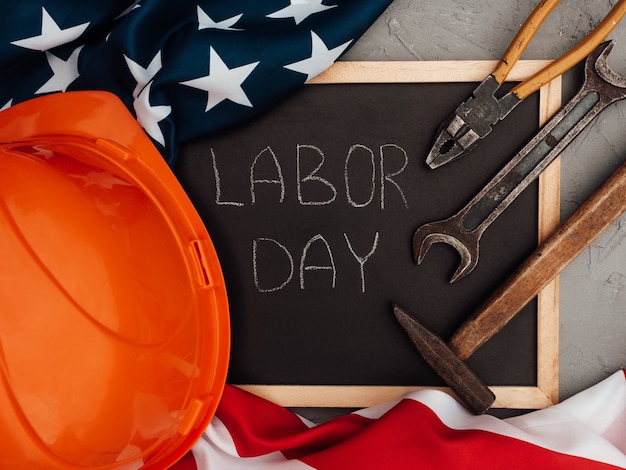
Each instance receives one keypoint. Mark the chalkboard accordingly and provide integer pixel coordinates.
(312, 207)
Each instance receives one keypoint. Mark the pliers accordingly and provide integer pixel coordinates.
(474, 118)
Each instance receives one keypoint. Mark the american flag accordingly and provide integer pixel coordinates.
(422, 430)
(183, 68)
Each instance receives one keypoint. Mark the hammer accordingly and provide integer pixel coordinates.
(599, 211)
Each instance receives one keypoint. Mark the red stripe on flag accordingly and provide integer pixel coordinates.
(259, 427)
(411, 435)
(188, 462)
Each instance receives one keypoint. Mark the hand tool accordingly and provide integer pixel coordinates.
(599, 211)
(470, 389)
(474, 118)
(463, 230)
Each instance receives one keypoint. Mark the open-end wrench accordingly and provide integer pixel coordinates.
(463, 231)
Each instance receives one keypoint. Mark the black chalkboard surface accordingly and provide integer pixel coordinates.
(312, 208)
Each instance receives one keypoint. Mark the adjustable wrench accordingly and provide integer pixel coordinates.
(463, 231)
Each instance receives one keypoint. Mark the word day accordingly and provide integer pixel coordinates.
(365, 173)
(273, 248)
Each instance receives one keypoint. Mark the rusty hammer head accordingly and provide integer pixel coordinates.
(462, 380)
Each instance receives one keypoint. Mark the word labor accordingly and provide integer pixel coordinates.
(316, 256)
(363, 171)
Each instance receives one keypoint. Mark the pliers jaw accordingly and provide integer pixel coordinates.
(472, 120)
(454, 139)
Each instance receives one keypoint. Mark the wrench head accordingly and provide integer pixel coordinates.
(597, 64)
(467, 248)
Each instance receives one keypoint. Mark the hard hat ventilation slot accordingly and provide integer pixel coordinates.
(205, 281)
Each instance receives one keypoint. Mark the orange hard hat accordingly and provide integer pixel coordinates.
(114, 327)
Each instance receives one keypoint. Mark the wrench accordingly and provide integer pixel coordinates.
(463, 231)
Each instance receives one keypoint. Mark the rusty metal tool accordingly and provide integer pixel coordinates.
(599, 211)
(474, 118)
(592, 218)
(463, 231)
(470, 389)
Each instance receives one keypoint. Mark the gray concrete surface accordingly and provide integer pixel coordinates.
(593, 287)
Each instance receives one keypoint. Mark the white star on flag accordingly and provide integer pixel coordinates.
(143, 75)
(321, 57)
(64, 72)
(300, 10)
(51, 35)
(129, 9)
(149, 116)
(205, 22)
(223, 83)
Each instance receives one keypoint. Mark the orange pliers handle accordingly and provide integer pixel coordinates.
(563, 63)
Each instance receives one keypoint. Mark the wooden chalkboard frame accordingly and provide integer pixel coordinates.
(546, 391)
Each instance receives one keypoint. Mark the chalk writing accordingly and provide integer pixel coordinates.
(218, 185)
(279, 174)
(362, 260)
(275, 250)
(364, 173)
(315, 190)
(312, 177)
(347, 178)
(389, 176)
(255, 269)
(316, 267)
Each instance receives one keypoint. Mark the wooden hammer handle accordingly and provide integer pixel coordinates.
(599, 211)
